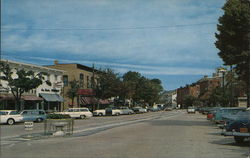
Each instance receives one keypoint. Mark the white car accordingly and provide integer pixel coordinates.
(191, 110)
(108, 111)
(99, 112)
(81, 113)
(10, 117)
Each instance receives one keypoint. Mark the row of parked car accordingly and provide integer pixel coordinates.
(234, 121)
(10, 116)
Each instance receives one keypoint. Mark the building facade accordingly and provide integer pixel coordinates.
(47, 97)
(171, 98)
(188, 90)
(86, 78)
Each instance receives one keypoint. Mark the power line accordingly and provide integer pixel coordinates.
(111, 28)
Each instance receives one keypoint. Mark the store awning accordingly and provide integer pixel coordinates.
(31, 98)
(6, 97)
(52, 97)
(88, 100)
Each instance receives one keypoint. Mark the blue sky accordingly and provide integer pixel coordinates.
(172, 40)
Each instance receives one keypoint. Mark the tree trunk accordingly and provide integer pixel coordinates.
(248, 85)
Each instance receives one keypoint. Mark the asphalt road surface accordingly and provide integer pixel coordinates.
(172, 134)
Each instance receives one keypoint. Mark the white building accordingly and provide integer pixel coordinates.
(44, 97)
(171, 98)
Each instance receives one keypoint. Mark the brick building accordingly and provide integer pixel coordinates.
(189, 90)
(86, 77)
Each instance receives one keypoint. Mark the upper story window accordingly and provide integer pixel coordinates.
(87, 81)
(81, 79)
(81, 76)
(65, 80)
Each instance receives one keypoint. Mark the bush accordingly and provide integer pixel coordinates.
(58, 116)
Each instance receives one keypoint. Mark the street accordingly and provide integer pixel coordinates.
(173, 134)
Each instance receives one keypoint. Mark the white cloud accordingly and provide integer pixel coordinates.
(175, 45)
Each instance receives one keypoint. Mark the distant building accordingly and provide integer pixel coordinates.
(207, 85)
(171, 98)
(44, 97)
(189, 90)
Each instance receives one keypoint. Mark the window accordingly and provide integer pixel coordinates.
(87, 81)
(75, 110)
(41, 113)
(65, 80)
(83, 109)
(81, 77)
(55, 77)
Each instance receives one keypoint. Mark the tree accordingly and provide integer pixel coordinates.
(73, 91)
(24, 82)
(219, 96)
(233, 39)
(189, 100)
(108, 84)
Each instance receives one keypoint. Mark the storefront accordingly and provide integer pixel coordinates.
(52, 102)
(8, 102)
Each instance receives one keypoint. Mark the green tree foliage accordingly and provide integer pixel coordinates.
(189, 100)
(132, 85)
(73, 90)
(233, 38)
(24, 82)
(108, 84)
(140, 88)
(219, 97)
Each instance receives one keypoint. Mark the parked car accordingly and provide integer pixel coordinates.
(33, 115)
(99, 112)
(139, 110)
(10, 117)
(153, 109)
(211, 113)
(126, 111)
(81, 113)
(218, 118)
(107, 111)
(191, 109)
(238, 126)
(113, 111)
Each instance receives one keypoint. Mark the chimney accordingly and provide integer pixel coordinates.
(56, 62)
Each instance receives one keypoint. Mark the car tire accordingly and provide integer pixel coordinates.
(100, 114)
(39, 119)
(117, 114)
(238, 139)
(82, 116)
(10, 121)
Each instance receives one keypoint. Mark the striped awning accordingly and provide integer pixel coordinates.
(92, 100)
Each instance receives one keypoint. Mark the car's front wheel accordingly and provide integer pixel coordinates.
(238, 139)
(82, 117)
(100, 114)
(39, 119)
(10, 121)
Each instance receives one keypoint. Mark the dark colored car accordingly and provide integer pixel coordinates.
(238, 126)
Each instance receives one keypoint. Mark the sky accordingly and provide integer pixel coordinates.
(172, 40)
